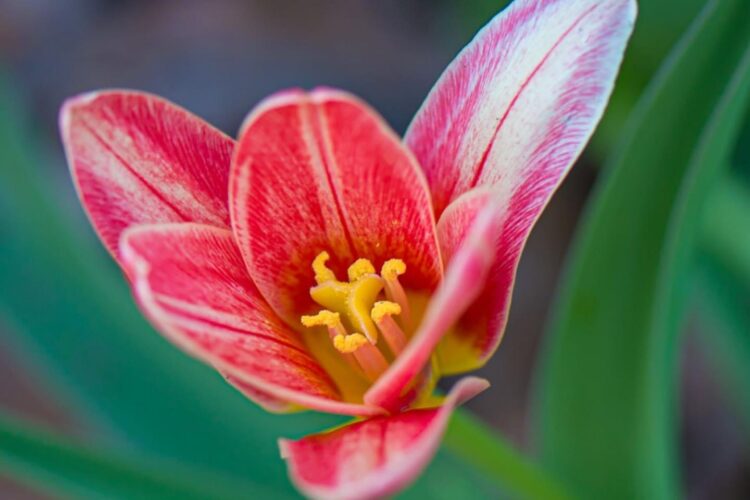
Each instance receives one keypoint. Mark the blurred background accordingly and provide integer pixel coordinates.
(76, 357)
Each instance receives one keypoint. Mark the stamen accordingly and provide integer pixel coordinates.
(336, 329)
(323, 318)
(391, 270)
(349, 343)
(384, 308)
(322, 272)
(381, 314)
(368, 356)
(359, 268)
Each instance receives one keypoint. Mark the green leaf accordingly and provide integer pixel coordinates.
(722, 291)
(62, 467)
(729, 210)
(607, 386)
(722, 306)
(470, 439)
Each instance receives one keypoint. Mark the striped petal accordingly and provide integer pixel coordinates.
(509, 117)
(473, 339)
(191, 282)
(517, 105)
(374, 458)
(464, 280)
(138, 159)
(322, 171)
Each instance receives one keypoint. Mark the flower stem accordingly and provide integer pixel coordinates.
(475, 443)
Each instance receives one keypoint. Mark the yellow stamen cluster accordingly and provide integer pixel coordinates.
(354, 306)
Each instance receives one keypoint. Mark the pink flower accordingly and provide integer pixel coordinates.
(320, 262)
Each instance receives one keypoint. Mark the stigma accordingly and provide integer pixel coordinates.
(361, 311)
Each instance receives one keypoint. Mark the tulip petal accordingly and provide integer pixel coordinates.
(517, 105)
(191, 282)
(374, 458)
(509, 117)
(464, 280)
(322, 171)
(138, 159)
(473, 339)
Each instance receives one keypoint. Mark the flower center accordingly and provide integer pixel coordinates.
(360, 311)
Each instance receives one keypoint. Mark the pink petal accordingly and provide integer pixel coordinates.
(138, 159)
(374, 458)
(322, 171)
(191, 282)
(464, 280)
(517, 105)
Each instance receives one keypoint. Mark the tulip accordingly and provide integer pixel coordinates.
(321, 262)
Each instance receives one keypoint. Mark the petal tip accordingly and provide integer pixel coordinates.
(276, 100)
(322, 94)
(69, 108)
(466, 389)
(284, 451)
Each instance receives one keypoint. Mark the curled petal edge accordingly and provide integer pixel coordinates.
(138, 271)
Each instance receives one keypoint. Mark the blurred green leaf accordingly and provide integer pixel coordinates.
(728, 211)
(722, 306)
(472, 440)
(722, 290)
(61, 467)
(607, 384)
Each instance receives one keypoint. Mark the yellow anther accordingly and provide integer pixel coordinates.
(359, 268)
(392, 268)
(322, 272)
(323, 318)
(384, 308)
(349, 343)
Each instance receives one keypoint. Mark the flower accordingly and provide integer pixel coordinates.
(321, 262)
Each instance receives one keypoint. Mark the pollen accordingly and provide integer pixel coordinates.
(322, 272)
(359, 268)
(392, 269)
(384, 308)
(347, 344)
(323, 318)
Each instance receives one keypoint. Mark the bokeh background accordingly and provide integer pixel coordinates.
(218, 58)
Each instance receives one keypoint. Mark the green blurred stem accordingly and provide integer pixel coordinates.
(475, 443)
(724, 233)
